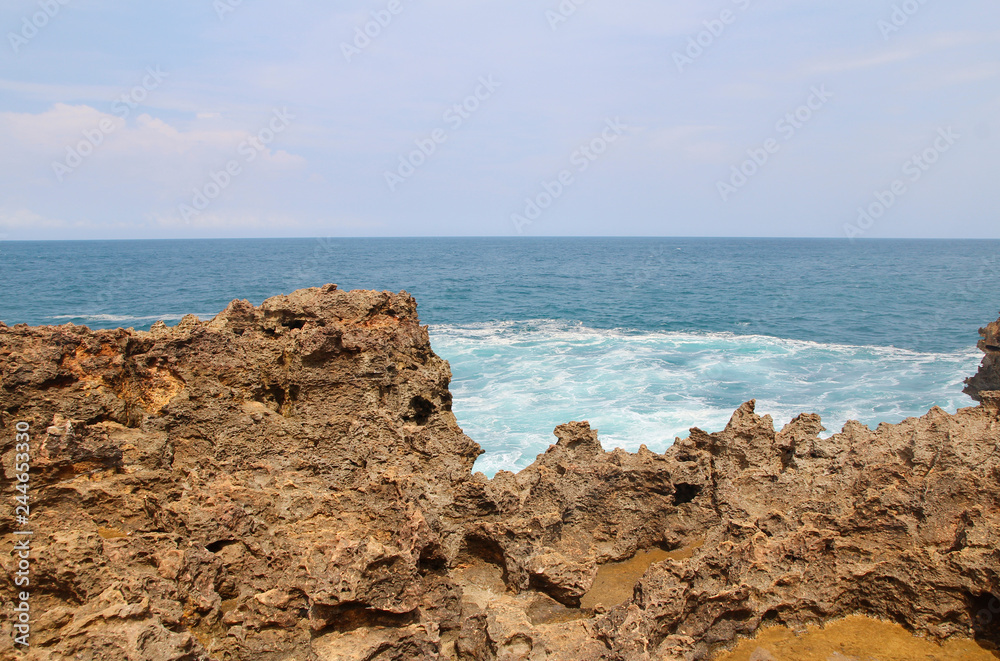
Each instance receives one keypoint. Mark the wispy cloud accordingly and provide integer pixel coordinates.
(605, 60)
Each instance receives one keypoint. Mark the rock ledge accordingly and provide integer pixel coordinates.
(287, 482)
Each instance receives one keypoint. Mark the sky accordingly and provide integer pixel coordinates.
(248, 118)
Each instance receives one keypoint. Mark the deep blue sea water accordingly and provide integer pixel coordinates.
(643, 337)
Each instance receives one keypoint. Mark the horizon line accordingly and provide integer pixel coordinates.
(503, 236)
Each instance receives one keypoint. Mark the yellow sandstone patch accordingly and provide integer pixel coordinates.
(852, 639)
(615, 581)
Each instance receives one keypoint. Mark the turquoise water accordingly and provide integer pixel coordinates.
(516, 381)
(643, 337)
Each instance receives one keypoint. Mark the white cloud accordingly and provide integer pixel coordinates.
(840, 65)
(20, 219)
(145, 148)
(608, 59)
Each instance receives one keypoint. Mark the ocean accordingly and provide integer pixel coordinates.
(643, 337)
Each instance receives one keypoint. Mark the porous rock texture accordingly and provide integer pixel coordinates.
(988, 376)
(287, 482)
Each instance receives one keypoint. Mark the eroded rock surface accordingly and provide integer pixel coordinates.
(288, 482)
(988, 376)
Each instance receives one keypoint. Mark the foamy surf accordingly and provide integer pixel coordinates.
(515, 381)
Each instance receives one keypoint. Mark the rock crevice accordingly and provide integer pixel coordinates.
(288, 482)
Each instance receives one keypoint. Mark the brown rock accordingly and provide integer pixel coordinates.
(288, 482)
(988, 376)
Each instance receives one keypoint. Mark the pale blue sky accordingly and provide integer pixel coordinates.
(670, 131)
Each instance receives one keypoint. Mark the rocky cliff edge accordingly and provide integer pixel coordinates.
(288, 482)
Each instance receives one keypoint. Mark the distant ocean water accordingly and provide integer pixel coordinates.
(643, 337)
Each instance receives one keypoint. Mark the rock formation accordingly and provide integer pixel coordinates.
(287, 482)
(988, 376)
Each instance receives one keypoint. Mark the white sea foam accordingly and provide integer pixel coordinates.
(515, 381)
